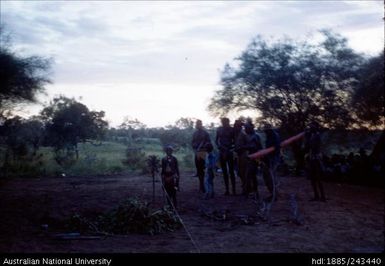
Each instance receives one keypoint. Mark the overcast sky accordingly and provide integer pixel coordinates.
(158, 61)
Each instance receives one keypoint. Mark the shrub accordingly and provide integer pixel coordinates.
(131, 216)
(135, 158)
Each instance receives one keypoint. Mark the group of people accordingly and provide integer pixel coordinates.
(235, 144)
(351, 167)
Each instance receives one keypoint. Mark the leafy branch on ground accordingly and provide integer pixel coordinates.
(131, 216)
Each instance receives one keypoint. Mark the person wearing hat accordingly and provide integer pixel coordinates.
(271, 161)
(170, 176)
(313, 159)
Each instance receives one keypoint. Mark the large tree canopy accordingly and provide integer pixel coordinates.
(369, 95)
(185, 123)
(69, 122)
(291, 83)
(21, 78)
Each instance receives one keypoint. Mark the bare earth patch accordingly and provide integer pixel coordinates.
(351, 221)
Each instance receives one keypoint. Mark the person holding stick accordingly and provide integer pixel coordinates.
(271, 161)
(250, 143)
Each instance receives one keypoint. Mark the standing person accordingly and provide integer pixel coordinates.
(241, 153)
(225, 143)
(250, 143)
(271, 161)
(210, 171)
(199, 140)
(313, 160)
(238, 125)
(170, 176)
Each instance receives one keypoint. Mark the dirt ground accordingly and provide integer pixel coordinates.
(352, 220)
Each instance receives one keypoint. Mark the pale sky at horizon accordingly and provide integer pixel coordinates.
(159, 61)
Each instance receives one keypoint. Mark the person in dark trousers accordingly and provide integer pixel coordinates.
(225, 143)
(210, 171)
(199, 140)
(271, 161)
(313, 160)
(170, 176)
(250, 143)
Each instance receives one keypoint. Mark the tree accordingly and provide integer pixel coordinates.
(175, 137)
(132, 128)
(69, 122)
(368, 98)
(185, 123)
(291, 83)
(129, 123)
(21, 78)
(24, 136)
(22, 141)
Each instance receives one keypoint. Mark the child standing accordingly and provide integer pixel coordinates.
(170, 176)
(210, 171)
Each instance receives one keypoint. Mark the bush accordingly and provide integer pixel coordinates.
(135, 158)
(115, 169)
(65, 158)
(131, 216)
(26, 166)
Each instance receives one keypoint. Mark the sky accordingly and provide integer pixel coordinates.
(158, 61)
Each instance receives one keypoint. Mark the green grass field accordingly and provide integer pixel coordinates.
(107, 157)
(102, 159)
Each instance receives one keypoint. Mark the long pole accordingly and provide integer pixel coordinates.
(284, 143)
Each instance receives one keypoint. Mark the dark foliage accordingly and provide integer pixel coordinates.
(291, 83)
(22, 139)
(135, 158)
(131, 216)
(368, 98)
(69, 122)
(153, 164)
(21, 78)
